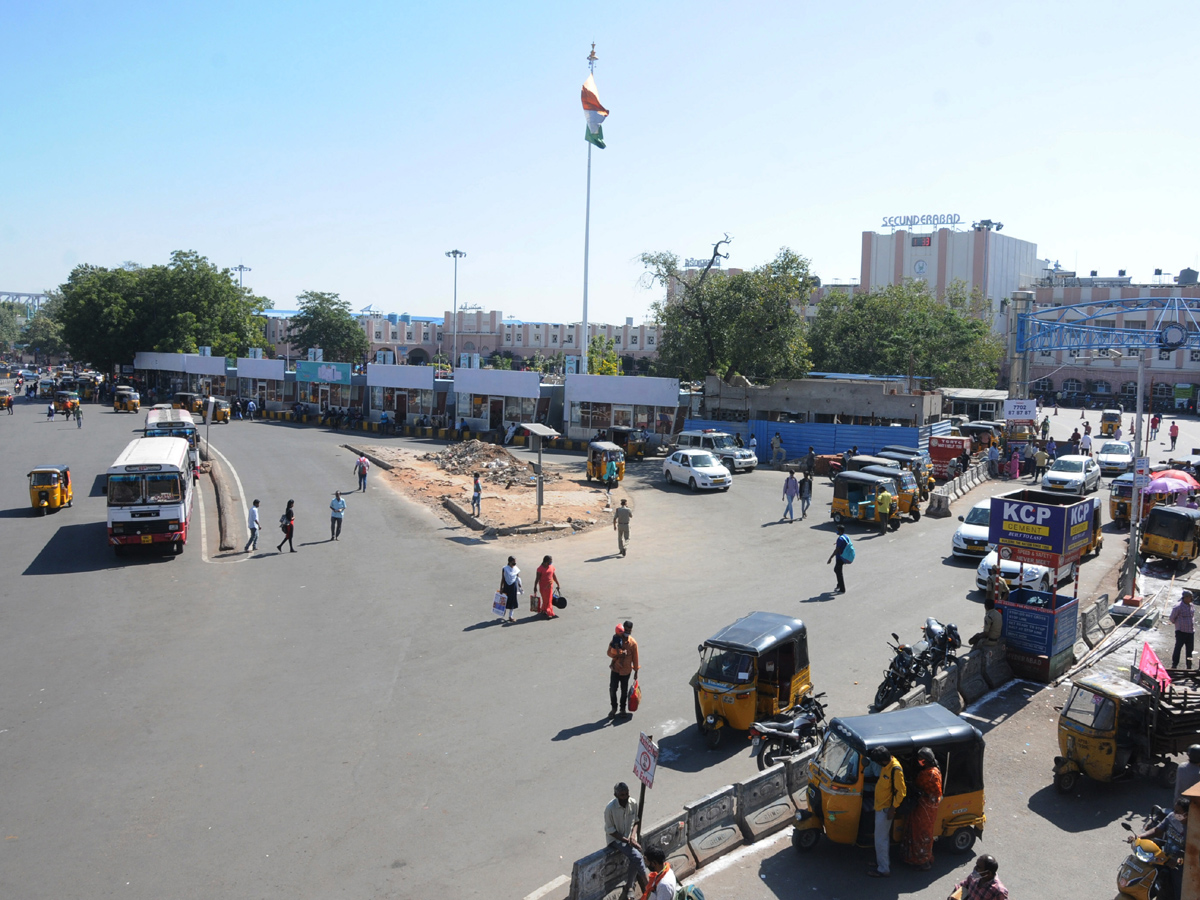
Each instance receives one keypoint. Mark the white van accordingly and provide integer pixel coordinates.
(721, 445)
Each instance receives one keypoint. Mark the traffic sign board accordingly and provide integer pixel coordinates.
(1142, 465)
(646, 760)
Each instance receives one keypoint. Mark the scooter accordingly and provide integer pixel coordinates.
(773, 740)
(1144, 875)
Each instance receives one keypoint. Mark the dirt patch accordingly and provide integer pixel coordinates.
(509, 486)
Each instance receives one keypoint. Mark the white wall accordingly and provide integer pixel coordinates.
(415, 377)
(496, 382)
(273, 369)
(621, 389)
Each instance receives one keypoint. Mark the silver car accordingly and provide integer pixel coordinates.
(1072, 475)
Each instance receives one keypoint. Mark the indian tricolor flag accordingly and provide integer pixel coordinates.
(594, 113)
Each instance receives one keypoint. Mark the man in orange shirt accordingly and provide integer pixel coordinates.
(623, 651)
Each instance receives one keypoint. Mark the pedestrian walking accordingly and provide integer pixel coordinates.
(993, 457)
(621, 519)
(78, 416)
(805, 495)
(620, 832)
(922, 818)
(1014, 466)
(510, 586)
(337, 510)
(810, 461)
(754, 446)
(1085, 444)
(1041, 460)
(1173, 431)
(839, 554)
(1051, 449)
(252, 523)
(361, 466)
(1027, 454)
(251, 406)
(50, 412)
(791, 489)
(1045, 428)
(287, 522)
(610, 479)
(477, 497)
(544, 586)
(982, 883)
(623, 651)
(890, 792)
(1183, 618)
(1154, 420)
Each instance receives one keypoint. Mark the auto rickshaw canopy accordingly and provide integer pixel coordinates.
(904, 731)
(900, 448)
(1111, 686)
(63, 473)
(1175, 523)
(1122, 485)
(604, 447)
(758, 633)
(904, 479)
(860, 478)
(860, 462)
(1110, 415)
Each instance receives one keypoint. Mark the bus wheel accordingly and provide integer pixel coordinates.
(178, 547)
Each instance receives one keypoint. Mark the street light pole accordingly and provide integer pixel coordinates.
(457, 254)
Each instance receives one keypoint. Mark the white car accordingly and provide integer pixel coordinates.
(698, 469)
(971, 538)
(1072, 475)
(1115, 458)
(1039, 578)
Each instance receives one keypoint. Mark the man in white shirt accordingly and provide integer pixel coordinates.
(337, 509)
(1085, 444)
(252, 521)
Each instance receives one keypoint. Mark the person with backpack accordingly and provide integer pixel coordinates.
(361, 466)
(843, 552)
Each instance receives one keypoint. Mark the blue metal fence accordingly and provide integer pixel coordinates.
(798, 438)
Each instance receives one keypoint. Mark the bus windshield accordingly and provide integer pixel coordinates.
(124, 490)
(163, 488)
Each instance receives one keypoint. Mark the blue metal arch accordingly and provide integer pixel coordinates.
(1073, 327)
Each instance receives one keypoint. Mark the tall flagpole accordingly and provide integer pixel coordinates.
(587, 233)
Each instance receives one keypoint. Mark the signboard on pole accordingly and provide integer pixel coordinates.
(1020, 411)
(646, 760)
(1040, 528)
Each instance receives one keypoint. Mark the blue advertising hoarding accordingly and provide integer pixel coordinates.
(1041, 528)
(1032, 625)
(323, 372)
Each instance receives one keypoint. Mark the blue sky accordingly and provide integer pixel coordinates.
(346, 147)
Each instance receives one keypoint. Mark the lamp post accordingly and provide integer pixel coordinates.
(457, 255)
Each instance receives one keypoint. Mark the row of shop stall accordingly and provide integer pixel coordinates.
(485, 399)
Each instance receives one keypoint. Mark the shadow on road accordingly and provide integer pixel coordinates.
(614, 555)
(1092, 806)
(686, 751)
(467, 541)
(84, 548)
(487, 623)
(586, 728)
(19, 512)
(821, 597)
(99, 486)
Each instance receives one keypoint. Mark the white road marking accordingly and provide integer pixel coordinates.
(547, 888)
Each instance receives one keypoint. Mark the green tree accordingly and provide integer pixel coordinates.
(499, 361)
(325, 321)
(729, 324)
(905, 328)
(602, 356)
(107, 315)
(10, 324)
(43, 336)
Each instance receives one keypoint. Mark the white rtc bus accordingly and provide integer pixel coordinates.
(163, 421)
(150, 494)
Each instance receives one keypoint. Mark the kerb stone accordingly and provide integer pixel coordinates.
(763, 803)
(712, 825)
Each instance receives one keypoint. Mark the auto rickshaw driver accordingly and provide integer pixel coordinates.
(50, 488)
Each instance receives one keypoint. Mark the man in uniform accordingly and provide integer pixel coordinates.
(993, 622)
(621, 518)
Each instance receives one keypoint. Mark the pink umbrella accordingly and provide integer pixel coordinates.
(1181, 475)
(1161, 485)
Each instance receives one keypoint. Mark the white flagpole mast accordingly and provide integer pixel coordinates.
(587, 230)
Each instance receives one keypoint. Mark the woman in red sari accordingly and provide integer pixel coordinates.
(927, 795)
(547, 581)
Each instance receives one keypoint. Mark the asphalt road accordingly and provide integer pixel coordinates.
(351, 719)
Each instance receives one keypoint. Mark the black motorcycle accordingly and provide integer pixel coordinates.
(943, 643)
(778, 739)
(913, 663)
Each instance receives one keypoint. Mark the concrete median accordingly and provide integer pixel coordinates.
(671, 837)
(228, 516)
(797, 776)
(970, 677)
(943, 689)
(1089, 625)
(598, 874)
(712, 825)
(996, 670)
(918, 696)
(763, 803)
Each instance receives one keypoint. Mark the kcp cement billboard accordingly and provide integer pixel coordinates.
(1040, 528)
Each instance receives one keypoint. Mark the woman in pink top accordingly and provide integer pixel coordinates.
(1014, 466)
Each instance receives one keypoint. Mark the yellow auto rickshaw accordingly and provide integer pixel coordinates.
(840, 794)
(982, 436)
(1114, 728)
(1110, 421)
(599, 453)
(50, 488)
(1120, 500)
(221, 411)
(854, 498)
(755, 669)
(193, 403)
(127, 401)
(905, 491)
(1172, 532)
(65, 401)
(632, 440)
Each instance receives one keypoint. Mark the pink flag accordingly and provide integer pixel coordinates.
(1150, 665)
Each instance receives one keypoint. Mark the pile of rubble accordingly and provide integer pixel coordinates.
(494, 464)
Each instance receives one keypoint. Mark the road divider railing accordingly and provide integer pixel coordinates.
(706, 829)
(947, 493)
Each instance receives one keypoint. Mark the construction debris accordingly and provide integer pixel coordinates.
(493, 464)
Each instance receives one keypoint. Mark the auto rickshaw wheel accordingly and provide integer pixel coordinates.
(1166, 775)
(1065, 783)
(916, 514)
(837, 518)
(804, 839)
(962, 840)
(712, 737)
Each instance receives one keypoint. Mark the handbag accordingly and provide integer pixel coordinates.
(534, 602)
(500, 603)
(635, 697)
(559, 601)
